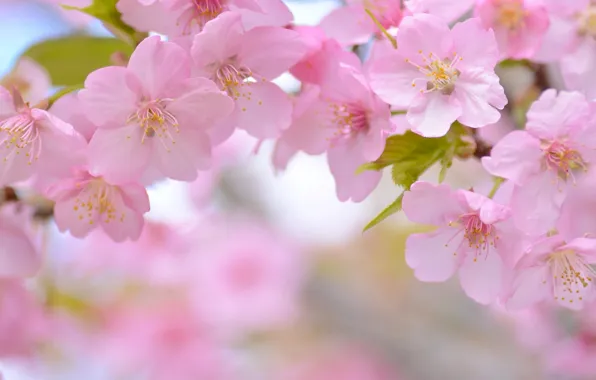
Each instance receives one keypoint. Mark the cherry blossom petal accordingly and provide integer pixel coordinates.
(18, 256)
(361, 25)
(432, 259)
(530, 286)
(431, 204)
(481, 277)
(431, 115)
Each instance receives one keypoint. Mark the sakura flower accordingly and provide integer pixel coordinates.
(519, 25)
(473, 238)
(349, 122)
(151, 115)
(34, 142)
(446, 9)
(68, 108)
(18, 253)
(557, 145)
(85, 202)
(555, 268)
(30, 79)
(362, 27)
(242, 63)
(441, 75)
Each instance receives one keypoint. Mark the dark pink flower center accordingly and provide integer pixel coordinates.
(349, 119)
(439, 74)
(18, 134)
(156, 121)
(231, 75)
(563, 159)
(510, 14)
(571, 275)
(480, 236)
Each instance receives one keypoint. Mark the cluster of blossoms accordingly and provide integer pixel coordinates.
(207, 70)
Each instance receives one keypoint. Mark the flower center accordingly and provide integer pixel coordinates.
(563, 159)
(20, 133)
(571, 275)
(156, 120)
(479, 235)
(96, 201)
(349, 119)
(510, 14)
(229, 76)
(586, 21)
(199, 12)
(439, 74)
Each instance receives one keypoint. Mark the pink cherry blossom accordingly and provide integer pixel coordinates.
(473, 237)
(34, 142)
(558, 145)
(69, 109)
(519, 25)
(349, 122)
(85, 202)
(242, 63)
(30, 79)
(362, 27)
(554, 268)
(577, 211)
(248, 282)
(151, 115)
(446, 9)
(440, 75)
(19, 256)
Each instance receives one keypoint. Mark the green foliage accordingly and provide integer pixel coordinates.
(105, 11)
(410, 155)
(70, 59)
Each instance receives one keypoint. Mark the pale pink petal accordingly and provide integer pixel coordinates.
(343, 161)
(427, 203)
(181, 161)
(579, 68)
(577, 211)
(66, 217)
(431, 257)
(516, 157)
(530, 286)
(127, 158)
(391, 78)
(282, 154)
(69, 109)
(481, 277)
(271, 13)
(18, 256)
(553, 114)
(13, 167)
(472, 90)
(559, 37)
(159, 65)
(127, 225)
(270, 51)
(426, 33)
(153, 17)
(374, 141)
(7, 108)
(263, 109)
(448, 10)
(475, 44)
(108, 96)
(135, 197)
(432, 114)
(361, 25)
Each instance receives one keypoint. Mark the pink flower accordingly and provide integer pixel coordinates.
(559, 143)
(69, 109)
(361, 26)
(519, 25)
(151, 115)
(30, 79)
(18, 254)
(577, 211)
(242, 63)
(349, 122)
(555, 268)
(34, 142)
(246, 277)
(448, 10)
(441, 75)
(85, 202)
(474, 237)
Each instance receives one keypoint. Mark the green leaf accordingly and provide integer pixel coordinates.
(70, 59)
(389, 210)
(106, 11)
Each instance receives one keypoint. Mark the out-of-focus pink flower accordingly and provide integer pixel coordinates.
(448, 10)
(558, 144)
(246, 277)
(22, 324)
(34, 142)
(474, 237)
(151, 115)
(242, 63)
(75, 17)
(440, 75)
(577, 211)
(361, 26)
(493, 133)
(69, 109)
(166, 341)
(519, 25)
(345, 363)
(349, 122)
(85, 202)
(18, 254)
(30, 79)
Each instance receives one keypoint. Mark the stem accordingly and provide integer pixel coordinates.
(498, 182)
(382, 29)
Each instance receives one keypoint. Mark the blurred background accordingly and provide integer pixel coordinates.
(346, 307)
